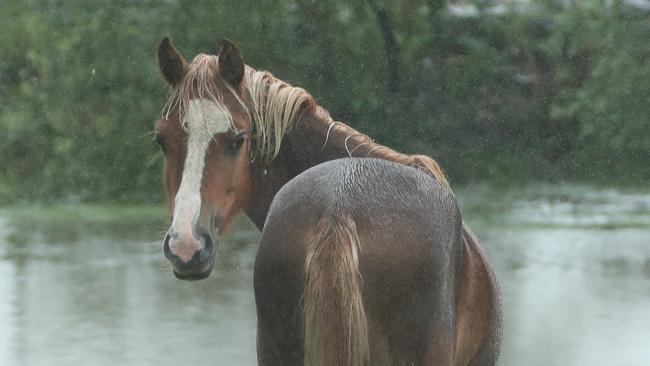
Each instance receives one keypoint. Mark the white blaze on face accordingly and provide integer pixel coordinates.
(204, 119)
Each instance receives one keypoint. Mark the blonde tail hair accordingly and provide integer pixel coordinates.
(336, 330)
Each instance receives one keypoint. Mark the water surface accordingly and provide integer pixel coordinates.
(89, 285)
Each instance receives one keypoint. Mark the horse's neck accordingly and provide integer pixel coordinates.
(312, 141)
(316, 139)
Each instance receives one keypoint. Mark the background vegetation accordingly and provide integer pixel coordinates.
(545, 91)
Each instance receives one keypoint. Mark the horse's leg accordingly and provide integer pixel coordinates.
(276, 336)
(278, 278)
(408, 298)
(478, 308)
(420, 332)
(412, 315)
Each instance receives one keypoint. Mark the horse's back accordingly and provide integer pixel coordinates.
(409, 232)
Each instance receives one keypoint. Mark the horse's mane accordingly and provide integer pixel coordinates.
(274, 108)
(358, 144)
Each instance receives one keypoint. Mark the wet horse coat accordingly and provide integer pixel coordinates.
(412, 265)
(362, 261)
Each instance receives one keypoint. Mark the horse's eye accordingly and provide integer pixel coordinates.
(160, 141)
(238, 141)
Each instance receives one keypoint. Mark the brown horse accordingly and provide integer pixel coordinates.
(363, 261)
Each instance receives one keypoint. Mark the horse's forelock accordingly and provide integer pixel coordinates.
(198, 83)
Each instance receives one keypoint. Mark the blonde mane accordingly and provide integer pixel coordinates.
(358, 144)
(274, 107)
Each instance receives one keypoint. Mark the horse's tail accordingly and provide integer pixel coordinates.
(336, 329)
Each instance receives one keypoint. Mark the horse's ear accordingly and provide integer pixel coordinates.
(231, 63)
(171, 63)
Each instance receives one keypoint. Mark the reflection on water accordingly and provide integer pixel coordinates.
(574, 267)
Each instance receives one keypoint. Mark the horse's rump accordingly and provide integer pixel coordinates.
(377, 247)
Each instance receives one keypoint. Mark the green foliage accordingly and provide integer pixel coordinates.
(607, 78)
(80, 100)
(552, 94)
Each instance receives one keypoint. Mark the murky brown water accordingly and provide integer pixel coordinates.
(574, 267)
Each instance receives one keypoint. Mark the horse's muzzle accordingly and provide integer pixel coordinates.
(199, 266)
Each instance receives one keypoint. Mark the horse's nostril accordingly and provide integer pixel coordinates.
(166, 249)
(207, 243)
(203, 235)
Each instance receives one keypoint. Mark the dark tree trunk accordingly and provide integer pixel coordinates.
(390, 44)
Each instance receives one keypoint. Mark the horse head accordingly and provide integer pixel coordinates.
(204, 134)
